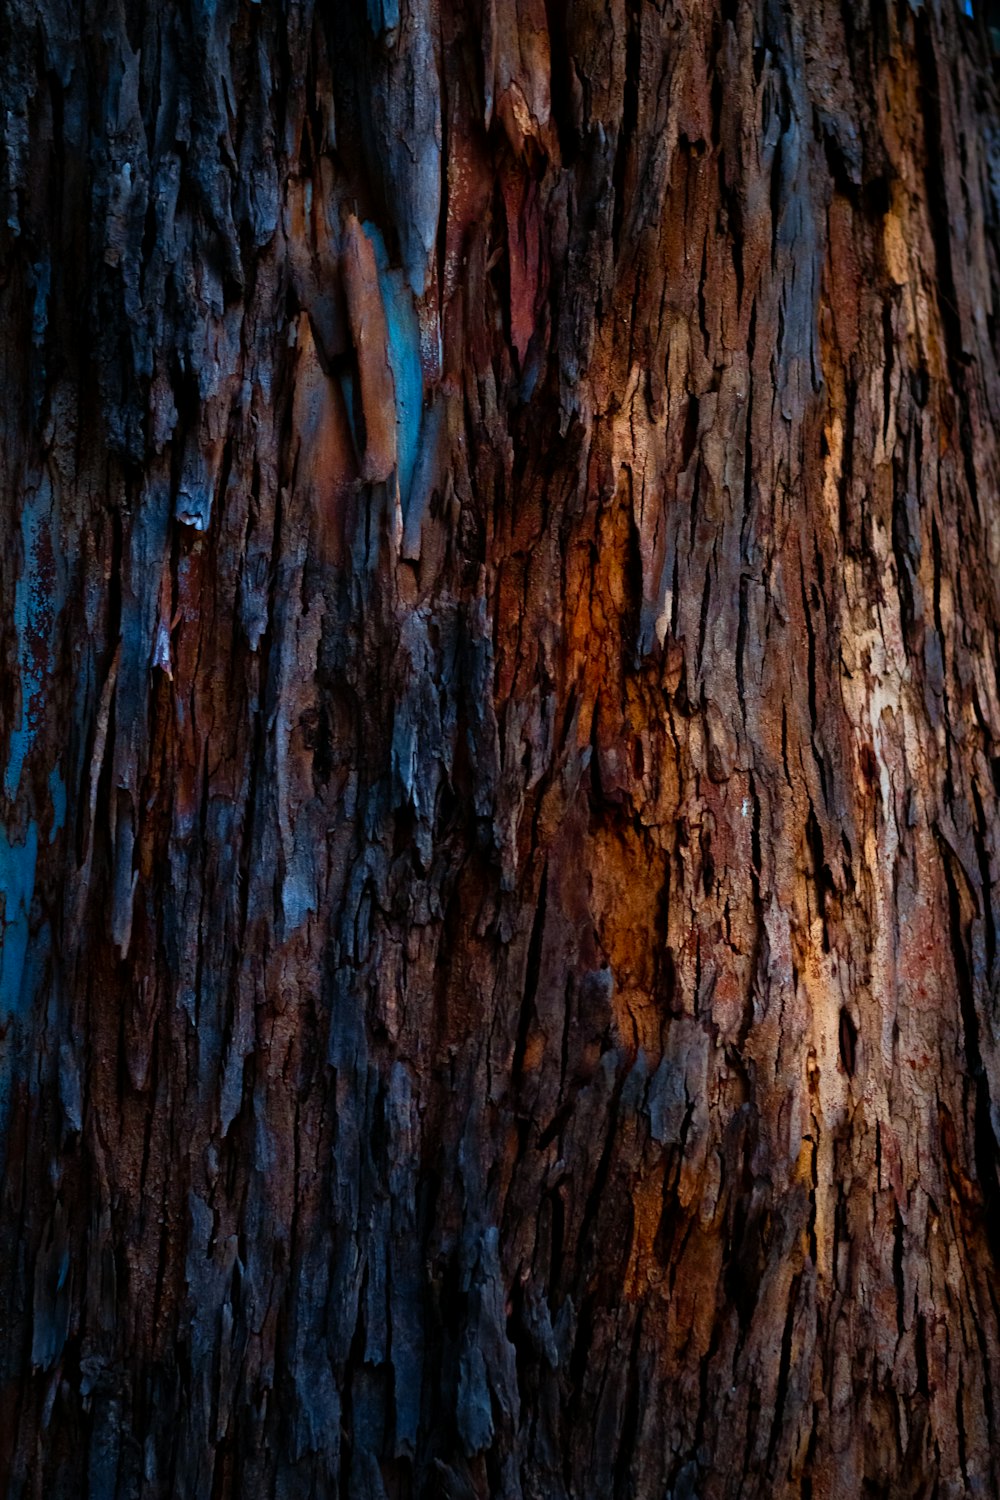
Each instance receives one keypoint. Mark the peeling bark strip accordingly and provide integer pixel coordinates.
(500, 749)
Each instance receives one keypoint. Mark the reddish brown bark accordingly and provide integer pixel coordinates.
(502, 734)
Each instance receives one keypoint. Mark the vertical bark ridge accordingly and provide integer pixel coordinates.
(499, 741)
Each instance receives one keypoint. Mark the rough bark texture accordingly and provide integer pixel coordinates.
(500, 735)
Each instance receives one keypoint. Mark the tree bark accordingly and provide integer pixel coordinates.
(501, 742)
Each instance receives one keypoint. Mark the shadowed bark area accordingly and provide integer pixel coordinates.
(500, 736)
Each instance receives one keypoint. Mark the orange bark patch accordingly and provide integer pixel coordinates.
(371, 342)
(647, 1210)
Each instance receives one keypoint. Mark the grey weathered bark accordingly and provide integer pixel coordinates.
(501, 742)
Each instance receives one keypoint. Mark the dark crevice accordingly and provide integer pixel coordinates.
(562, 80)
(779, 1423)
(821, 872)
(897, 1271)
(531, 976)
(630, 120)
(906, 552)
(633, 1406)
(706, 600)
(812, 673)
(983, 860)
(985, 1148)
(960, 1427)
(741, 643)
(937, 199)
(888, 346)
(848, 1041)
(689, 433)
(748, 438)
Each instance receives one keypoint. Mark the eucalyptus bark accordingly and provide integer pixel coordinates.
(501, 741)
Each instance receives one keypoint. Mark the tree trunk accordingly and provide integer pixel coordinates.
(501, 750)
